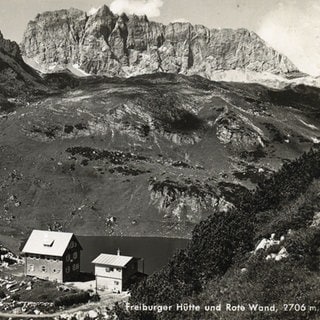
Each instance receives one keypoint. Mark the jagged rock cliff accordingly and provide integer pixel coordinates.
(187, 200)
(105, 43)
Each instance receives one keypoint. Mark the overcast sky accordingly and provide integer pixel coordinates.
(290, 26)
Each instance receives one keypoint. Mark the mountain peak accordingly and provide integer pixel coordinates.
(123, 45)
(104, 11)
(135, 17)
(10, 47)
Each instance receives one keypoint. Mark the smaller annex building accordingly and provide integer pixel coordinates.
(113, 272)
(52, 256)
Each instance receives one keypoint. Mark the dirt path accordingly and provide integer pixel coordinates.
(86, 307)
(106, 301)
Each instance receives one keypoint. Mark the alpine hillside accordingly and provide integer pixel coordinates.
(18, 81)
(148, 155)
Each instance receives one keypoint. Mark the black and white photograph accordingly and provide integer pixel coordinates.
(160, 159)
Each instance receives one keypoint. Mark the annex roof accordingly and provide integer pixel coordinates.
(49, 243)
(112, 260)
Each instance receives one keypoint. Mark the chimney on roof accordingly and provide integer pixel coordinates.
(118, 252)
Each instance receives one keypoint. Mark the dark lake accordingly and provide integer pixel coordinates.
(156, 252)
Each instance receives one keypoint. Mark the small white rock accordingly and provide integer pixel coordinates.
(92, 314)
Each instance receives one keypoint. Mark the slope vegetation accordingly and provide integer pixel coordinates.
(149, 155)
(225, 265)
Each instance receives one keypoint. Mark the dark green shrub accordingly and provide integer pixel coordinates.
(71, 299)
(2, 294)
(95, 298)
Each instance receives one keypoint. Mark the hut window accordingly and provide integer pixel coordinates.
(75, 255)
(68, 269)
(109, 269)
(116, 283)
(31, 267)
(43, 268)
(68, 257)
(73, 244)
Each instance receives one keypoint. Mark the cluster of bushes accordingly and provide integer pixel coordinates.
(303, 247)
(215, 246)
(266, 283)
(292, 180)
(2, 294)
(225, 238)
(296, 215)
(71, 299)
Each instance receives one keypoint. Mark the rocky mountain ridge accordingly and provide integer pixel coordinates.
(108, 44)
(19, 83)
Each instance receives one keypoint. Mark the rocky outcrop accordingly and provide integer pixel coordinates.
(10, 48)
(60, 36)
(186, 200)
(239, 132)
(105, 43)
(18, 81)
